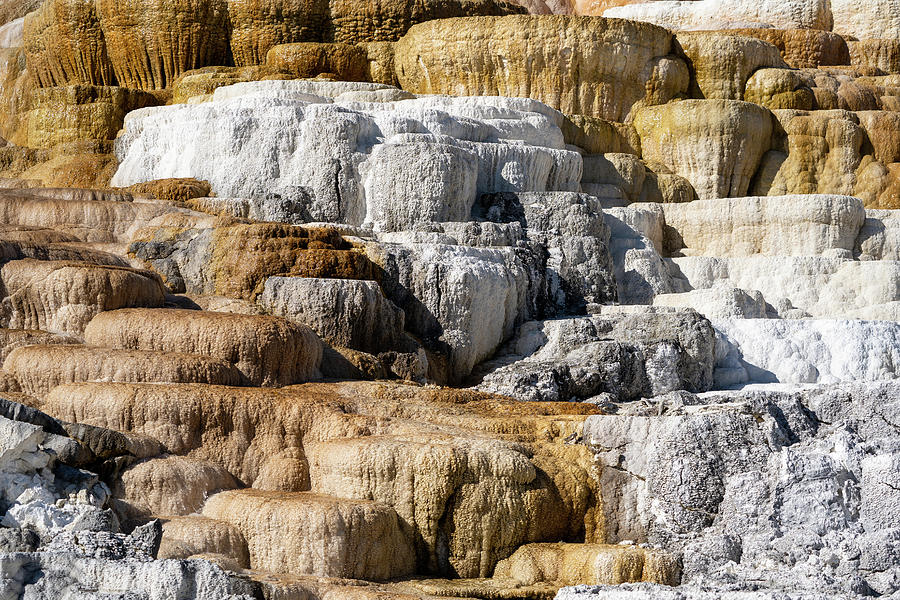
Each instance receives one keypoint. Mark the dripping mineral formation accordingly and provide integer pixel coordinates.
(408, 300)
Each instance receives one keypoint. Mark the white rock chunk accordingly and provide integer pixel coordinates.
(807, 351)
(799, 286)
(775, 226)
(389, 164)
(725, 14)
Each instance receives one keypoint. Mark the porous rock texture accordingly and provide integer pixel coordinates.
(764, 484)
(722, 63)
(731, 14)
(346, 441)
(64, 44)
(64, 296)
(349, 161)
(803, 48)
(620, 312)
(151, 42)
(371, 543)
(644, 354)
(716, 145)
(259, 25)
(268, 351)
(38, 369)
(603, 68)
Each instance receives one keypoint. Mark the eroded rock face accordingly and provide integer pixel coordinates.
(145, 580)
(151, 42)
(268, 351)
(589, 74)
(828, 152)
(759, 486)
(38, 369)
(730, 14)
(804, 48)
(866, 20)
(469, 241)
(64, 296)
(372, 544)
(460, 300)
(783, 226)
(644, 354)
(259, 25)
(351, 160)
(345, 312)
(65, 45)
(722, 63)
(388, 20)
(716, 145)
(348, 440)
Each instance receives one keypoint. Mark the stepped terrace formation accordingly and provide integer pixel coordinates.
(421, 299)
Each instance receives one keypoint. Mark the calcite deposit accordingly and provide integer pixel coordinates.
(408, 300)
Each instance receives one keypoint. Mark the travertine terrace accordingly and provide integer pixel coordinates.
(420, 299)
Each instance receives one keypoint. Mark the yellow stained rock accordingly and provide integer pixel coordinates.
(152, 42)
(65, 295)
(65, 45)
(342, 62)
(302, 533)
(39, 369)
(803, 48)
(259, 25)
(268, 351)
(80, 112)
(722, 63)
(589, 564)
(579, 65)
(453, 465)
(716, 145)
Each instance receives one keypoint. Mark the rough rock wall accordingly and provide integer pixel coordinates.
(602, 67)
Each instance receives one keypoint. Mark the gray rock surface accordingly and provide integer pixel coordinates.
(51, 576)
(617, 355)
(345, 312)
(771, 493)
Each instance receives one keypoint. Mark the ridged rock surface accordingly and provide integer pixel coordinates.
(170, 485)
(803, 48)
(268, 351)
(64, 296)
(832, 152)
(351, 160)
(259, 25)
(345, 312)
(603, 67)
(75, 113)
(716, 145)
(436, 444)
(65, 45)
(731, 14)
(387, 20)
(39, 369)
(371, 544)
(151, 42)
(306, 59)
